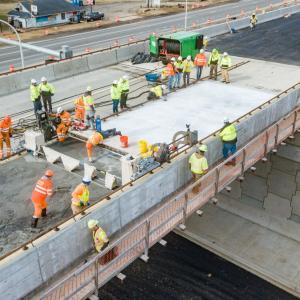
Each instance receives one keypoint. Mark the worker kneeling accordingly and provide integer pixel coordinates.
(81, 196)
(64, 124)
(95, 139)
(157, 92)
(198, 165)
(5, 135)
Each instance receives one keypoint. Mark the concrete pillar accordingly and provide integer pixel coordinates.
(70, 163)
(52, 156)
(89, 171)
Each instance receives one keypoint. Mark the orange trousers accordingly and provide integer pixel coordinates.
(38, 207)
(5, 138)
(79, 114)
(89, 148)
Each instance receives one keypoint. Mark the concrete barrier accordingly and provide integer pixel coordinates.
(103, 59)
(70, 68)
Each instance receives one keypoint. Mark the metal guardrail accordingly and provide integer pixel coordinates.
(136, 241)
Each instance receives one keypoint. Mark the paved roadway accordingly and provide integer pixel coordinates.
(103, 38)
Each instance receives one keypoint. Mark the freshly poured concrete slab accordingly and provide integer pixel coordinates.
(203, 106)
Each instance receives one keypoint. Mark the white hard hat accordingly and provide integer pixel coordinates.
(33, 81)
(89, 89)
(173, 59)
(201, 51)
(125, 77)
(164, 87)
(86, 179)
(43, 79)
(188, 57)
(115, 82)
(203, 148)
(92, 223)
(226, 120)
(225, 53)
(179, 58)
(205, 37)
(59, 110)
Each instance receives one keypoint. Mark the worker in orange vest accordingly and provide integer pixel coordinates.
(5, 134)
(42, 190)
(62, 132)
(64, 123)
(200, 62)
(171, 70)
(81, 196)
(64, 116)
(95, 139)
(79, 109)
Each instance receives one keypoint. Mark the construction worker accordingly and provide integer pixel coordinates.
(213, 63)
(157, 92)
(225, 64)
(64, 116)
(81, 196)
(115, 96)
(79, 109)
(198, 165)
(46, 91)
(200, 63)
(5, 135)
(89, 108)
(95, 139)
(99, 236)
(253, 21)
(228, 134)
(205, 42)
(124, 90)
(179, 70)
(35, 96)
(187, 69)
(42, 190)
(171, 71)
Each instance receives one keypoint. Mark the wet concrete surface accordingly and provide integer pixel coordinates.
(276, 41)
(17, 180)
(183, 270)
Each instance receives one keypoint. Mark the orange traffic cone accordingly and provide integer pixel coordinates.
(11, 68)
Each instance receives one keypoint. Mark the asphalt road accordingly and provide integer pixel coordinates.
(102, 38)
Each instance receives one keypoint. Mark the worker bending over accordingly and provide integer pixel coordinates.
(179, 69)
(115, 96)
(213, 64)
(124, 90)
(100, 238)
(253, 21)
(89, 107)
(198, 164)
(81, 196)
(157, 92)
(42, 190)
(225, 64)
(5, 135)
(95, 139)
(228, 135)
(171, 71)
(187, 69)
(200, 63)
(35, 96)
(47, 92)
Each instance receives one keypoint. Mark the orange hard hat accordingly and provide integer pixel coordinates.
(7, 118)
(49, 173)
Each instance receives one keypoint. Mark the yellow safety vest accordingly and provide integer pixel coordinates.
(123, 85)
(187, 66)
(214, 58)
(46, 88)
(179, 65)
(100, 238)
(225, 62)
(88, 101)
(198, 165)
(228, 133)
(115, 92)
(157, 91)
(34, 92)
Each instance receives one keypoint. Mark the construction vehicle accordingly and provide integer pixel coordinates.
(176, 44)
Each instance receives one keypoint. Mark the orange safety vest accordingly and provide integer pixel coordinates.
(95, 138)
(79, 103)
(5, 127)
(200, 60)
(170, 69)
(42, 189)
(65, 118)
(80, 194)
(61, 132)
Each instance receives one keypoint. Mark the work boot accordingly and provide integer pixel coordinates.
(34, 222)
(44, 212)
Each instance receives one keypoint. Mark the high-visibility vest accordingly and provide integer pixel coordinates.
(46, 88)
(61, 132)
(79, 103)
(115, 92)
(214, 58)
(5, 127)
(170, 69)
(179, 66)
(228, 133)
(253, 20)
(88, 102)
(65, 118)
(187, 66)
(95, 138)
(42, 189)
(225, 62)
(198, 165)
(123, 85)
(100, 238)
(200, 60)
(81, 194)
(157, 91)
(34, 92)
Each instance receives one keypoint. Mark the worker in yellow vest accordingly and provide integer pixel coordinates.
(253, 21)
(157, 92)
(198, 164)
(115, 93)
(213, 64)
(225, 64)
(100, 238)
(228, 135)
(81, 196)
(187, 69)
(35, 96)
(179, 70)
(47, 92)
(89, 108)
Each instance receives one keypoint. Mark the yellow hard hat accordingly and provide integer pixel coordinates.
(92, 223)
(203, 148)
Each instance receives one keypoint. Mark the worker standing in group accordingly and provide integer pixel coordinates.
(79, 109)
(35, 96)
(179, 70)
(213, 63)
(89, 108)
(198, 165)
(42, 190)
(5, 135)
(225, 64)
(157, 92)
(253, 21)
(205, 42)
(228, 134)
(171, 70)
(200, 63)
(95, 139)
(47, 92)
(81, 196)
(124, 90)
(100, 238)
(115, 96)
(187, 69)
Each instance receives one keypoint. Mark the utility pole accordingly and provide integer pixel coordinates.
(185, 18)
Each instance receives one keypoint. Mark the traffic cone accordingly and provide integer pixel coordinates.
(98, 24)
(46, 32)
(11, 68)
(117, 19)
(88, 50)
(228, 17)
(208, 21)
(174, 29)
(116, 43)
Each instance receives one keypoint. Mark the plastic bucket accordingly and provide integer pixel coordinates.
(124, 141)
